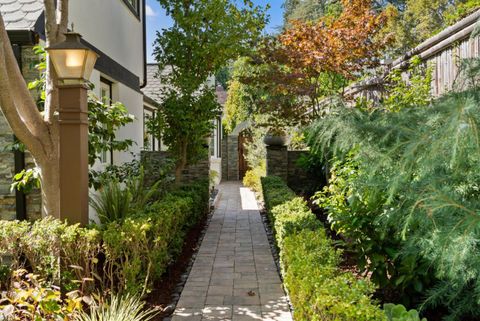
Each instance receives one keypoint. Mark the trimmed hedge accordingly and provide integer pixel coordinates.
(122, 256)
(318, 288)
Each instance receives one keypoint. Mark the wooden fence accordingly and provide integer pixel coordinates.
(443, 52)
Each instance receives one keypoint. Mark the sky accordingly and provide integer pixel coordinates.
(157, 20)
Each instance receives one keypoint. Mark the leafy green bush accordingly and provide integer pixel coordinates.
(31, 298)
(292, 217)
(355, 213)
(253, 177)
(114, 202)
(275, 192)
(399, 313)
(319, 290)
(125, 255)
(38, 246)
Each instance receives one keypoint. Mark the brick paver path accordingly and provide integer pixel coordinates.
(234, 276)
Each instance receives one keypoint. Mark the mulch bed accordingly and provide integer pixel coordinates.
(167, 291)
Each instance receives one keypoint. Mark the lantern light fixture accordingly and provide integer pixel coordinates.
(72, 60)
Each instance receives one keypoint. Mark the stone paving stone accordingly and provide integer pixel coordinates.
(234, 277)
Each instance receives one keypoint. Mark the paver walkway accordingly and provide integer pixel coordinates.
(234, 276)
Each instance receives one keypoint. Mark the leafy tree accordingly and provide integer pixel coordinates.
(313, 60)
(309, 10)
(37, 130)
(204, 37)
(419, 20)
(240, 102)
(312, 10)
(464, 8)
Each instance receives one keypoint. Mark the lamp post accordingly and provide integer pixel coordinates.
(73, 63)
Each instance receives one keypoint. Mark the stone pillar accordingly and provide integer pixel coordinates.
(232, 158)
(277, 161)
(224, 159)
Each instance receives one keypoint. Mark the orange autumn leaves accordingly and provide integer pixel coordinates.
(292, 73)
(344, 46)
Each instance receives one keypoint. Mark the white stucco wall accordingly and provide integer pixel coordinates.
(133, 100)
(114, 29)
(111, 26)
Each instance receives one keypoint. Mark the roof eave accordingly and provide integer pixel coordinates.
(22, 37)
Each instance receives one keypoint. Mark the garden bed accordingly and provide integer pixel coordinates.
(128, 255)
(310, 263)
(168, 289)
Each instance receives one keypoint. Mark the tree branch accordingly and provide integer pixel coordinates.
(13, 101)
(62, 19)
(50, 21)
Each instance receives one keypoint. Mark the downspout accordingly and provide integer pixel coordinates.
(19, 156)
(144, 20)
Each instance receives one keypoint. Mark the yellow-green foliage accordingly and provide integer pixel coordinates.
(253, 177)
(30, 298)
(318, 289)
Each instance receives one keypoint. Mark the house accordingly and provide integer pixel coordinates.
(115, 29)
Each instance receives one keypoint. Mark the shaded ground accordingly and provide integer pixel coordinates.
(161, 297)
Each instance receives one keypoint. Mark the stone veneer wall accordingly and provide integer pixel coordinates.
(7, 164)
(230, 158)
(277, 161)
(7, 167)
(299, 179)
(284, 163)
(154, 162)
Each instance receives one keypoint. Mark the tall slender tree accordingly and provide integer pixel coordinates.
(205, 36)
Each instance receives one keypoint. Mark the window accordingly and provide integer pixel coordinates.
(150, 143)
(106, 96)
(148, 140)
(134, 6)
(216, 147)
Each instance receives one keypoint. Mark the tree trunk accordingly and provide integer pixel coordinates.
(50, 185)
(181, 163)
(38, 131)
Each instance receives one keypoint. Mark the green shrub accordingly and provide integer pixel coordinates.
(399, 313)
(114, 202)
(11, 233)
(292, 217)
(39, 245)
(253, 177)
(423, 163)
(125, 255)
(31, 298)
(275, 192)
(318, 289)
(111, 202)
(139, 248)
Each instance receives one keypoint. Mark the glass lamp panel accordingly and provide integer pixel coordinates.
(69, 63)
(90, 60)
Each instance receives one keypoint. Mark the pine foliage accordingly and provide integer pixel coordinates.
(424, 164)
